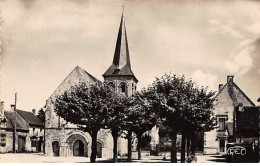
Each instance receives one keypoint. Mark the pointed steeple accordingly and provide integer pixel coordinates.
(121, 62)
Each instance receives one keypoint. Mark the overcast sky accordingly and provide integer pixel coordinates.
(44, 40)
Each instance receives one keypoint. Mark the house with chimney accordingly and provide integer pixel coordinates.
(17, 130)
(228, 100)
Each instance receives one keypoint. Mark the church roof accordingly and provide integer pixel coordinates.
(77, 76)
(121, 63)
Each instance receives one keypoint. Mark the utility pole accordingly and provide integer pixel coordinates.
(15, 123)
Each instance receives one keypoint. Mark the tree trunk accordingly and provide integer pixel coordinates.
(183, 147)
(129, 138)
(115, 138)
(193, 143)
(93, 148)
(174, 149)
(139, 147)
(188, 145)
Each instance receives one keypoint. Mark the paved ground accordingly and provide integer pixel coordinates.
(41, 158)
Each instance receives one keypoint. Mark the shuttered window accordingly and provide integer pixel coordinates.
(222, 123)
(2, 140)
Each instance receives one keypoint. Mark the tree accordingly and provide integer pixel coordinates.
(184, 107)
(199, 116)
(41, 115)
(116, 118)
(86, 106)
(171, 97)
(141, 116)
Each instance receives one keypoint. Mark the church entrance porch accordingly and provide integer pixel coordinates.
(78, 145)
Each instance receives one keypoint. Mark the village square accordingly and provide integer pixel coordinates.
(175, 118)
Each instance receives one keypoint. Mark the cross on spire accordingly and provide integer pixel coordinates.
(123, 7)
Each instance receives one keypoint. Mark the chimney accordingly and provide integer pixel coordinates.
(220, 86)
(34, 111)
(230, 79)
(12, 107)
(2, 108)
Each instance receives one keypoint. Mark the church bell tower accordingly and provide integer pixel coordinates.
(119, 75)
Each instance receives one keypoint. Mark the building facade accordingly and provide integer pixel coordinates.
(229, 98)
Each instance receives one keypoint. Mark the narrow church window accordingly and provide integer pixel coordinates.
(112, 85)
(122, 88)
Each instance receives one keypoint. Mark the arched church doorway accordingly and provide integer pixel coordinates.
(78, 144)
(99, 150)
(56, 148)
(78, 148)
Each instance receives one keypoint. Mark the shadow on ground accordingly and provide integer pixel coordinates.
(218, 159)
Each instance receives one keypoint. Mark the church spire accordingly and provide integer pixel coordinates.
(121, 56)
(121, 62)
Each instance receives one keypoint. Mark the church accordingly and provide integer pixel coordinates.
(63, 138)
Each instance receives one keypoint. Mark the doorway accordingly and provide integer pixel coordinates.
(78, 148)
(99, 150)
(56, 148)
(21, 144)
(222, 145)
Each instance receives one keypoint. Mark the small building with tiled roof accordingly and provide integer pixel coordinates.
(29, 131)
(8, 121)
(229, 98)
(36, 130)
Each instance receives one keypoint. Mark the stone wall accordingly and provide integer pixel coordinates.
(9, 142)
(62, 135)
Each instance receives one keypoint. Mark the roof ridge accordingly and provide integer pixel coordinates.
(250, 101)
(77, 69)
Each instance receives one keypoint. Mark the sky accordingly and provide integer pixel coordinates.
(42, 41)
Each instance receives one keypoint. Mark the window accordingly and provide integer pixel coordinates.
(34, 143)
(222, 122)
(122, 88)
(2, 140)
(112, 85)
(133, 88)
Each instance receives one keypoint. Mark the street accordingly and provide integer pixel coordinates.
(42, 158)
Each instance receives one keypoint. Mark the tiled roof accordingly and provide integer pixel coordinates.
(20, 122)
(30, 118)
(234, 91)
